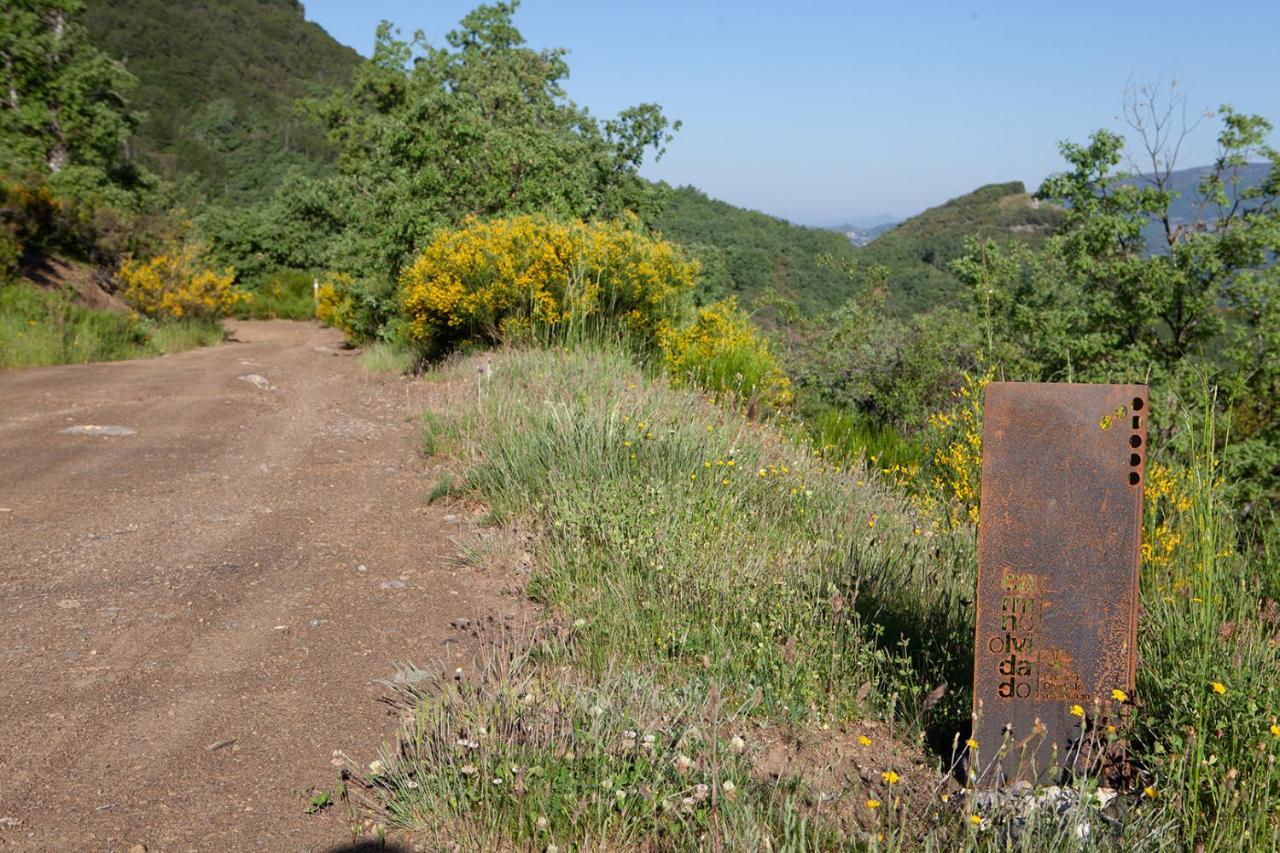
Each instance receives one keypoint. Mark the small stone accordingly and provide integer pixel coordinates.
(99, 429)
(392, 584)
(461, 624)
(68, 604)
(257, 380)
(138, 848)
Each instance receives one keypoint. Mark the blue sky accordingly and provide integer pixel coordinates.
(822, 112)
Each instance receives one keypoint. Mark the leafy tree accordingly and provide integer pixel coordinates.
(63, 108)
(1099, 304)
(428, 136)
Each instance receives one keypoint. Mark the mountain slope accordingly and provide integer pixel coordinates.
(918, 251)
(751, 255)
(217, 81)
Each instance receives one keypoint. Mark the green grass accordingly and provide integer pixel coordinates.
(385, 357)
(41, 327)
(701, 571)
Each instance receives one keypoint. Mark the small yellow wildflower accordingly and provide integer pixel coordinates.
(873, 804)
(971, 743)
(889, 777)
(1218, 687)
(866, 741)
(1150, 793)
(725, 481)
(975, 820)
(1077, 711)
(1275, 730)
(1119, 695)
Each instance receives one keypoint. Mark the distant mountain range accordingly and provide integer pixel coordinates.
(861, 235)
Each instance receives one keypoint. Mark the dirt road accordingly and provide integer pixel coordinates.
(194, 616)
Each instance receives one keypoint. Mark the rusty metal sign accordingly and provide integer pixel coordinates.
(1058, 551)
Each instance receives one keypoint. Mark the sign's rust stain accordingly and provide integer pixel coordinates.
(1058, 551)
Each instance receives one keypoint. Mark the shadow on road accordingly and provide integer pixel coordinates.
(369, 847)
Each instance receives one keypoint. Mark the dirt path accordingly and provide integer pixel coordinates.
(193, 617)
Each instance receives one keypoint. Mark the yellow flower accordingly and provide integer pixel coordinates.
(1275, 730)
(1119, 695)
(889, 777)
(866, 741)
(725, 481)
(1077, 711)
(1150, 793)
(971, 743)
(873, 804)
(1218, 687)
(975, 820)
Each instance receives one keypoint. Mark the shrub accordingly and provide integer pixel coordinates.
(177, 284)
(488, 282)
(364, 309)
(722, 351)
(285, 294)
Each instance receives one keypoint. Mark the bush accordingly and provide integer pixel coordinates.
(177, 284)
(723, 352)
(286, 295)
(364, 309)
(488, 282)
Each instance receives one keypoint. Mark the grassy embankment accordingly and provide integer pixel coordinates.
(43, 327)
(719, 598)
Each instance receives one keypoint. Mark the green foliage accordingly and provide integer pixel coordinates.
(41, 327)
(754, 257)
(918, 252)
(284, 295)
(67, 183)
(1095, 305)
(428, 136)
(217, 82)
(63, 113)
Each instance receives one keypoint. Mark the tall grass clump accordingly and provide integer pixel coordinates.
(1209, 677)
(44, 327)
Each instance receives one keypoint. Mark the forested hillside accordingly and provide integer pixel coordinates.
(919, 251)
(217, 84)
(750, 255)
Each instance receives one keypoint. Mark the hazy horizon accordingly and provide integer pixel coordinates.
(826, 114)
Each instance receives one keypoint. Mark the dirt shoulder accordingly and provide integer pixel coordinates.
(194, 616)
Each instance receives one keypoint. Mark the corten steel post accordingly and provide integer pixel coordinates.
(1058, 551)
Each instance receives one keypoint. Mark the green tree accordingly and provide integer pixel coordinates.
(1134, 288)
(63, 105)
(428, 136)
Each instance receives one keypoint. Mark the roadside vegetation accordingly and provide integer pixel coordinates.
(40, 327)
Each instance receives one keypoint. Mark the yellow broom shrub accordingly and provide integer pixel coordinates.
(177, 284)
(490, 281)
(723, 352)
